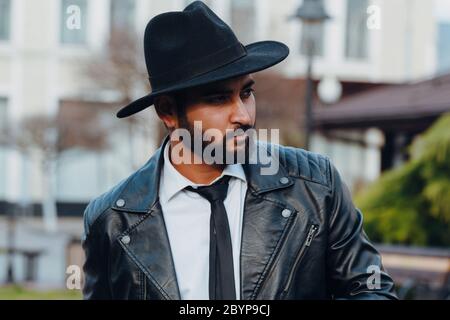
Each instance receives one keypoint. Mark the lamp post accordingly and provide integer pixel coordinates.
(312, 14)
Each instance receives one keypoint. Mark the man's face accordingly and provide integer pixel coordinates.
(225, 106)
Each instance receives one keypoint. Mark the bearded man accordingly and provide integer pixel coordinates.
(188, 227)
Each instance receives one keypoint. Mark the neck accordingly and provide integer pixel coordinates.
(200, 173)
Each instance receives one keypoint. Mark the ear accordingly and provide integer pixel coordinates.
(165, 107)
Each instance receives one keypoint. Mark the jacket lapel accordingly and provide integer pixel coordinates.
(148, 246)
(266, 223)
(146, 242)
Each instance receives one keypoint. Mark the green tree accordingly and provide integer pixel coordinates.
(411, 204)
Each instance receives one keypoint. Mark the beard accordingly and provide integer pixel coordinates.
(231, 150)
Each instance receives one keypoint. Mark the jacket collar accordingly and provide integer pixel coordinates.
(141, 193)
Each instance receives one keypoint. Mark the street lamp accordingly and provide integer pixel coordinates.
(312, 14)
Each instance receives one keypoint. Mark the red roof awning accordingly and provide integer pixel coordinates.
(388, 105)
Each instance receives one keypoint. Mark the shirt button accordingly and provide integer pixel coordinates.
(126, 239)
(284, 180)
(120, 203)
(286, 213)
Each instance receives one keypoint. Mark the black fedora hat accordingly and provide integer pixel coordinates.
(193, 47)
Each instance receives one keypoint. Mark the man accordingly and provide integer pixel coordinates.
(187, 227)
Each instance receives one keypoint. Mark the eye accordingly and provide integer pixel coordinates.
(247, 93)
(219, 99)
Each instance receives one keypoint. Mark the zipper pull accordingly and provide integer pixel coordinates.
(311, 233)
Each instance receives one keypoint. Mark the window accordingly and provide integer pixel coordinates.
(5, 19)
(443, 47)
(356, 29)
(73, 21)
(123, 15)
(315, 32)
(3, 122)
(243, 20)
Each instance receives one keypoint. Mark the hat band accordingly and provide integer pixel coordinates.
(200, 66)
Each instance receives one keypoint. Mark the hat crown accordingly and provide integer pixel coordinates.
(195, 47)
(176, 41)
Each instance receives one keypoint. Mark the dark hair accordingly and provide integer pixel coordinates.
(180, 100)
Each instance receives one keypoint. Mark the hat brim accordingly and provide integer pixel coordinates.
(260, 55)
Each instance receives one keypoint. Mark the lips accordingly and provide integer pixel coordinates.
(238, 137)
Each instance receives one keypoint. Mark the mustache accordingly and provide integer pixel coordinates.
(240, 130)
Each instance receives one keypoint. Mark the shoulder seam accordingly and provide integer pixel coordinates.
(107, 204)
(89, 223)
(321, 161)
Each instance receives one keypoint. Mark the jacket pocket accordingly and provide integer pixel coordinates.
(312, 231)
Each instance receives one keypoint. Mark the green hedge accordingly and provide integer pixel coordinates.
(411, 204)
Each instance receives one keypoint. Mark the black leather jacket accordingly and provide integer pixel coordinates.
(302, 237)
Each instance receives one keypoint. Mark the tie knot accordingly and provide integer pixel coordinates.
(215, 192)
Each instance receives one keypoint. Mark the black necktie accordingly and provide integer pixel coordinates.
(221, 275)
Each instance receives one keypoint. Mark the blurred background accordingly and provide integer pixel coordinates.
(367, 83)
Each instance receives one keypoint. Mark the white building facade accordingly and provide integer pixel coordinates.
(41, 64)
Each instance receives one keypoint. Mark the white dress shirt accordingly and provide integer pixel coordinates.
(187, 216)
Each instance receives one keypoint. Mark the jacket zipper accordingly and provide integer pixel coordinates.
(309, 238)
(311, 233)
(283, 239)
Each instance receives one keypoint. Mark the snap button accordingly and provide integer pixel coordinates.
(126, 239)
(120, 203)
(284, 180)
(286, 213)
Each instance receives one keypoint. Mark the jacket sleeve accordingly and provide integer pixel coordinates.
(95, 268)
(354, 266)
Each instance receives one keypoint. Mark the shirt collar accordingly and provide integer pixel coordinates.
(173, 182)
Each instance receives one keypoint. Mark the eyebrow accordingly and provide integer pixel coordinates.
(223, 90)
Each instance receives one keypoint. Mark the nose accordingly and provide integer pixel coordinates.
(240, 114)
